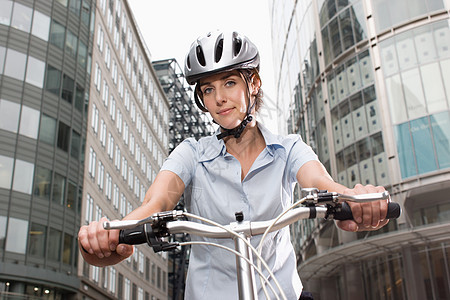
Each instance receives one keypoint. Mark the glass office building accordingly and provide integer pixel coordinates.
(45, 63)
(367, 85)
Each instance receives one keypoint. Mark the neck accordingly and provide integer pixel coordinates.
(251, 139)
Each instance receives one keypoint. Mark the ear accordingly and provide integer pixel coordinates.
(256, 84)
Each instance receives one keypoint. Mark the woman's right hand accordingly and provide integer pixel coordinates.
(100, 247)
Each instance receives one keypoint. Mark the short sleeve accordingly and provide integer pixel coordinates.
(182, 160)
(300, 154)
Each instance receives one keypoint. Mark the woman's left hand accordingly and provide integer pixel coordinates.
(367, 216)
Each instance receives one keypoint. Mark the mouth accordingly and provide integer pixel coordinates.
(224, 111)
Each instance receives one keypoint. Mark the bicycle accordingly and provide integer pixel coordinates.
(315, 204)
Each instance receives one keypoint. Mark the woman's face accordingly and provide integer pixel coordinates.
(225, 97)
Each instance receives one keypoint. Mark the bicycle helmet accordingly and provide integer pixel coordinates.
(221, 52)
(218, 52)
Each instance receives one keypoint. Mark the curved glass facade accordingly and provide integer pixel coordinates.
(366, 84)
(44, 85)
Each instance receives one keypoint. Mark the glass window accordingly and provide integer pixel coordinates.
(42, 182)
(345, 22)
(35, 72)
(36, 240)
(423, 146)
(74, 6)
(57, 34)
(9, 115)
(335, 36)
(326, 45)
(23, 176)
(67, 88)
(71, 44)
(433, 88)
(6, 168)
(16, 238)
(2, 58)
(75, 145)
(445, 68)
(359, 22)
(85, 9)
(71, 195)
(41, 25)
(59, 185)
(53, 81)
(2, 231)
(440, 123)
(15, 64)
(47, 131)
(21, 18)
(54, 242)
(442, 38)
(29, 122)
(405, 150)
(415, 100)
(396, 99)
(67, 250)
(62, 2)
(82, 53)
(5, 12)
(406, 51)
(79, 98)
(63, 136)
(389, 62)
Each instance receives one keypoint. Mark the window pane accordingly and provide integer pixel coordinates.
(9, 115)
(2, 57)
(59, 185)
(433, 88)
(79, 98)
(42, 182)
(5, 12)
(423, 146)
(54, 242)
(2, 231)
(335, 38)
(346, 28)
(21, 18)
(82, 53)
(35, 72)
(75, 146)
(396, 102)
(29, 122)
(67, 250)
(23, 176)
(63, 136)
(359, 22)
(15, 64)
(53, 81)
(57, 35)
(47, 131)
(440, 124)
(74, 6)
(71, 196)
(405, 151)
(6, 167)
(41, 25)
(67, 89)
(71, 44)
(16, 239)
(415, 100)
(85, 9)
(36, 240)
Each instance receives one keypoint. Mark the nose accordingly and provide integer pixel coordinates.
(220, 96)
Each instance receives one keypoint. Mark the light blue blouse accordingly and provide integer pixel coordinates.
(214, 190)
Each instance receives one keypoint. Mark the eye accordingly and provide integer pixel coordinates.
(207, 91)
(230, 83)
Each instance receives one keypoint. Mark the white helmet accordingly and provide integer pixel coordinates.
(218, 52)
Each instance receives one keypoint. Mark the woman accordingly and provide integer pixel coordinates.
(243, 167)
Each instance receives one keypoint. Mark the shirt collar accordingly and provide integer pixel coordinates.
(214, 147)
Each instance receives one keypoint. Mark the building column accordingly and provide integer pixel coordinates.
(413, 277)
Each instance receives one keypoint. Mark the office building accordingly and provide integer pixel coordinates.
(366, 83)
(45, 59)
(127, 141)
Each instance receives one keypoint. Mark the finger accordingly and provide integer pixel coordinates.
(356, 211)
(103, 237)
(366, 214)
(83, 240)
(376, 215)
(125, 250)
(348, 225)
(113, 239)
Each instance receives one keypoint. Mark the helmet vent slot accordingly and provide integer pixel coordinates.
(200, 56)
(237, 45)
(219, 51)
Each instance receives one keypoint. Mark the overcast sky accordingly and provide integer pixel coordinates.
(170, 26)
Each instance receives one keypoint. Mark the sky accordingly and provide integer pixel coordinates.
(170, 26)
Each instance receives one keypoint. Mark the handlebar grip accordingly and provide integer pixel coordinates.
(345, 213)
(133, 236)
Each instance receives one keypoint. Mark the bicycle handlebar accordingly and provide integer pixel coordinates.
(141, 233)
